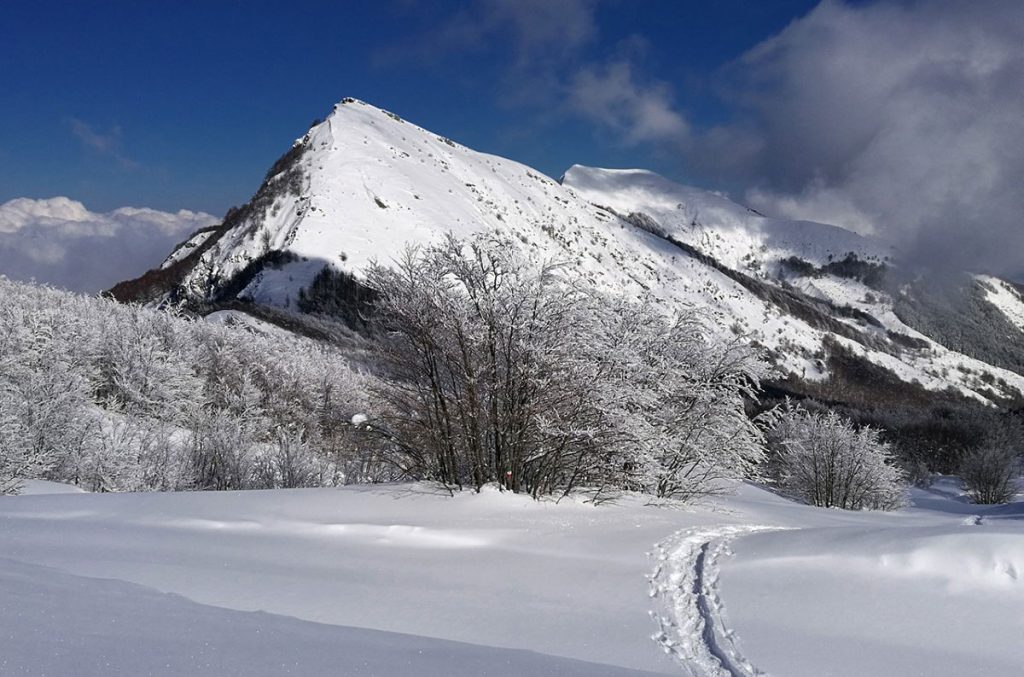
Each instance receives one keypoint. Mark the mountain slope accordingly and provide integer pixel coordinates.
(361, 184)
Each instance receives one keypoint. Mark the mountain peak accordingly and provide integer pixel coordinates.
(349, 105)
(364, 183)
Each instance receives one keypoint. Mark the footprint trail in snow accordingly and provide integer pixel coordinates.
(689, 611)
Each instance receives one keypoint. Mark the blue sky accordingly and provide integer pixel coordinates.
(900, 118)
(185, 104)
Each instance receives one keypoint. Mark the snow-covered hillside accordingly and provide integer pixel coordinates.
(59, 242)
(735, 236)
(405, 580)
(363, 183)
(1006, 297)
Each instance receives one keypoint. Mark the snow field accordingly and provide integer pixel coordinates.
(910, 600)
(493, 571)
(403, 579)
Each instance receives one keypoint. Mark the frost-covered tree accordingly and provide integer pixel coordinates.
(499, 371)
(113, 397)
(140, 362)
(679, 397)
(44, 415)
(823, 460)
(989, 473)
(288, 462)
(502, 372)
(476, 341)
(163, 458)
(222, 446)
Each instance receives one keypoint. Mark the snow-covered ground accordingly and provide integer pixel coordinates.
(404, 580)
(37, 487)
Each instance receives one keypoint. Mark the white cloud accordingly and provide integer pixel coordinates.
(902, 117)
(539, 40)
(816, 202)
(526, 27)
(547, 42)
(641, 112)
(104, 143)
(60, 242)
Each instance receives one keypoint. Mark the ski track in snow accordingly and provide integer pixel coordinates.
(689, 611)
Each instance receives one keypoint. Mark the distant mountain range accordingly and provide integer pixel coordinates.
(832, 310)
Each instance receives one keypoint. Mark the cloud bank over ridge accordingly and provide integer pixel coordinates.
(899, 118)
(59, 242)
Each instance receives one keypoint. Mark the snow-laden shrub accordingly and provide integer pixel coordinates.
(113, 398)
(823, 460)
(988, 473)
(677, 399)
(502, 372)
(44, 412)
(288, 462)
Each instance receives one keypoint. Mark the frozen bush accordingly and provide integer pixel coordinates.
(500, 371)
(988, 473)
(823, 460)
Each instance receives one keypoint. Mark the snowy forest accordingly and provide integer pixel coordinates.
(114, 397)
(482, 368)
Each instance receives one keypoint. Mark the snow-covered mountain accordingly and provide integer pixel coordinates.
(58, 241)
(820, 300)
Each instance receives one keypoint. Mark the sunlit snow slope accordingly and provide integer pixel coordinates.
(363, 183)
